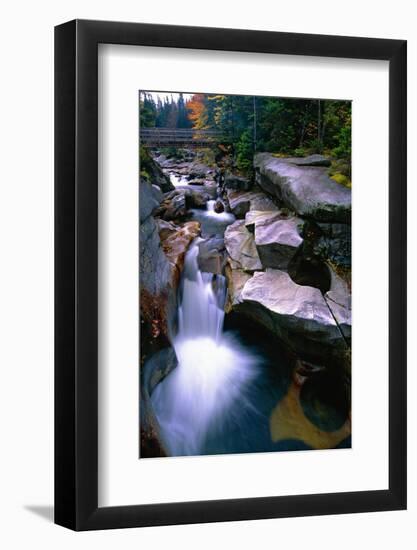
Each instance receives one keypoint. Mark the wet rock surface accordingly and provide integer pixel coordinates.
(162, 246)
(157, 295)
(211, 257)
(242, 201)
(219, 207)
(154, 275)
(159, 365)
(277, 237)
(236, 280)
(187, 168)
(196, 200)
(241, 247)
(306, 189)
(148, 200)
(173, 207)
(154, 172)
(165, 228)
(275, 255)
(175, 246)
(315, 411)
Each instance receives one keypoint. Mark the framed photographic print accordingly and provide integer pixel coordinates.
(230, 275)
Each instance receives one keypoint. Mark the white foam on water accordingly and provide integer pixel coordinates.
(213, 368)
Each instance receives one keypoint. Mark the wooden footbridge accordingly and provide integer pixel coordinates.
(180, 137)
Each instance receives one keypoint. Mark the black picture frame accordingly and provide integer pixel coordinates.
(76, 272)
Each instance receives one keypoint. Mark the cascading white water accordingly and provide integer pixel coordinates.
(178, 180)
(213, 368)
(220, 216)
(200, 312)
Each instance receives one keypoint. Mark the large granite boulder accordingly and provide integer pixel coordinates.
(166, 228)
(155, 270)
(177, 209)
(240, 245)
(307, 190)
(173, 207)
(298, 315)
(196, 199)
(277, 237)
(154, 172)
(148, 199)
(242, 201)
(338, 299)
(162, 247)
(157, 193)
(218, 206)
(198, 170)
(257, 217)
(176, 203)
(157, 296)
(155, 369)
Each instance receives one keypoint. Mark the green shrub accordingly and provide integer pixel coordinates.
(144, 174)
(342, 179)
(144, 159)
(344, 148)
(316, 146)
(300, 152)
(340, 166)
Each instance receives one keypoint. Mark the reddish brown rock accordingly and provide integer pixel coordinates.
(175, 246)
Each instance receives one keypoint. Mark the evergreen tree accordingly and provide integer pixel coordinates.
(287, 126)
(147, 109)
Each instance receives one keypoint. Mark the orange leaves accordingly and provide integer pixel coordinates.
(197, 112)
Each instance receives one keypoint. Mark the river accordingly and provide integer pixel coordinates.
(233, 390)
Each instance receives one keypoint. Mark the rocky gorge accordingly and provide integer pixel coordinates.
(279, 244)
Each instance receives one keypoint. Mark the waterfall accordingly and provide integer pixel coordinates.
(202, 299)
(220, 216)
(210, 207)
(213, 370)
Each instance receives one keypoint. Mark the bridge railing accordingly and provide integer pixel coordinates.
(178, 136)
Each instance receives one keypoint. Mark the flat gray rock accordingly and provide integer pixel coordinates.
(277, 237)
(299, 315)
(257, 217)
(240, 245)
(307, 190)
(242, 201)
